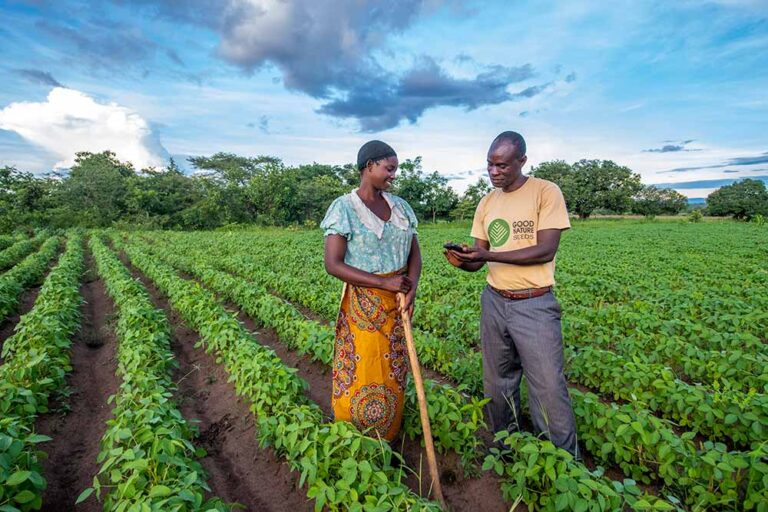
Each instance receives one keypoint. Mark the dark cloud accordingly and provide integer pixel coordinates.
(171, 53)
(530, 92)
(38, 77)
(738, 161)
(262, 125)
(708, 183)
(383, 104)
(672, 148)
(463, 58)
(571, 77)
(327, 48)
(524, 113)
(105, 45)
(101, 43)
(729, 171)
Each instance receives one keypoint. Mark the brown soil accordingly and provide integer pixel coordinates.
(77, 431)
(461, 492)
(238, 470)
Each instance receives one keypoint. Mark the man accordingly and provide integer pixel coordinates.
(517, 231)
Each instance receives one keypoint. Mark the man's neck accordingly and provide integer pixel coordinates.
(519, 182)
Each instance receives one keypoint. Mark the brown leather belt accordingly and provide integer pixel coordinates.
(528, 293)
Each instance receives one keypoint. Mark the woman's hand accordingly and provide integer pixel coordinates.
(397, 284)
(410, 299)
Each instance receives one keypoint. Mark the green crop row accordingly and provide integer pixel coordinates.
(148, 459)
(451, 309)
(719, 415)
(26, 273)
(282, 316)
(728, 414)
(13, 254)
(342, 468)
(642, 445)
(8, 240)
(458, 418)
(738, 367)
(37, 360)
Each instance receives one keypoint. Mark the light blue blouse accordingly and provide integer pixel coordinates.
(365, 250)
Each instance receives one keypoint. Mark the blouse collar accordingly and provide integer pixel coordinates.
(372, 221)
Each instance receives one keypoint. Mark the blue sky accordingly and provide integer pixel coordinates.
(674, 90)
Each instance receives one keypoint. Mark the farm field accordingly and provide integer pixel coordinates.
(190, 370)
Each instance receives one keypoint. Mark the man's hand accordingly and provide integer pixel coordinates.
(452, 259)
(474, 254)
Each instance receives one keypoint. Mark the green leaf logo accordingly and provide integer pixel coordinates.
(498, 232)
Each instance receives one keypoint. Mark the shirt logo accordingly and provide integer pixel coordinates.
(498, 232)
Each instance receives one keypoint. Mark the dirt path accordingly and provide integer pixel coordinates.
(77, 431)
(238, 470)
(461, 493)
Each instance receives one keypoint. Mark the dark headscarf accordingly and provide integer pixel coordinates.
(373, 150)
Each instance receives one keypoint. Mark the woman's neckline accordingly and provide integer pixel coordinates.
(356, 192)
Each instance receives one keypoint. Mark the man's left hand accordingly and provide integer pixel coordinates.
(473, 255)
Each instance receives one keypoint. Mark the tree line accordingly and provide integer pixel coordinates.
(226, 189)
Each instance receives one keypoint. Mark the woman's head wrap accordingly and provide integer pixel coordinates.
(373, 150)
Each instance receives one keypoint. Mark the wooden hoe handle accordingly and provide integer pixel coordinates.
(419, 384)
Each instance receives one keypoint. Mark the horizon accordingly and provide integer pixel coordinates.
(673, 91)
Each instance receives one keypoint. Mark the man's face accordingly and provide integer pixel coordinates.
(503, 165)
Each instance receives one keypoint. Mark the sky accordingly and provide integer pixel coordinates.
(677, 91)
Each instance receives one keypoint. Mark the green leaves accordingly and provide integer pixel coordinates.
(326, 455)
(36, 363)
(147, 455)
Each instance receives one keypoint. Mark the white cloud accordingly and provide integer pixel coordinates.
(70, 121)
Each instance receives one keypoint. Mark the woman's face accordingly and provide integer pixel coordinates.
(382, 173)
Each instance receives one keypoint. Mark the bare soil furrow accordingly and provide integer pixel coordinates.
(78, 416)
(239, 471)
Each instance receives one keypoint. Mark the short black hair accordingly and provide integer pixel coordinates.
(373, 151)
(513, 138)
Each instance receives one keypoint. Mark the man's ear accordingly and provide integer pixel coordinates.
(523, 160)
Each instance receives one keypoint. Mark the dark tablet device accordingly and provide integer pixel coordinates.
(454, 247)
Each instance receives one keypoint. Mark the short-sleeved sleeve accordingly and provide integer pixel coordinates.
(336, 221)
(478, 223)
(412, 220)
(552, 211)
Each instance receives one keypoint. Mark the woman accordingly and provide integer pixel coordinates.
(371, 245)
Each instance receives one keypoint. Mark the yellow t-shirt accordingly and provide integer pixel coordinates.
(510, 220)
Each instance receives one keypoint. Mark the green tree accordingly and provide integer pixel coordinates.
(24, 199)
(157, 198)
(465, 208)
(294, 195)
(591, 184)
(224, 178)
(651, 201)
(429, 195)
(743, 200)
(95, 191)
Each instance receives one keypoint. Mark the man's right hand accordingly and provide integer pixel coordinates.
(452, 259)
(401, 284)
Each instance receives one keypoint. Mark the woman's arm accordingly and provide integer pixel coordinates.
(336, 248)
(414, 272)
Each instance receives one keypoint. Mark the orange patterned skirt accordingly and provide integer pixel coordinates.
(369, 362)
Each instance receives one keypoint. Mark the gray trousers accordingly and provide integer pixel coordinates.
(524, 337)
